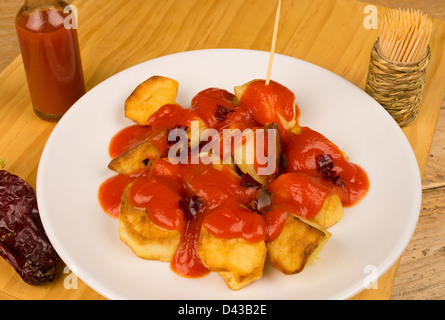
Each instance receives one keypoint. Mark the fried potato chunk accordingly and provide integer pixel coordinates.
(298, 245)
(237, 261)
(149, 96)
(140, 157)
(147, 240)
(330, 213)
(239, 90)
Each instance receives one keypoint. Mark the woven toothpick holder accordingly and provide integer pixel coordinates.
(397, 86)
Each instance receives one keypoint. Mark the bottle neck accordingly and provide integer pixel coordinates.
(34, 14)
(39, 2)
(33, 4)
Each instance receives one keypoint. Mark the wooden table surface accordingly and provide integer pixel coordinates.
(115, 35)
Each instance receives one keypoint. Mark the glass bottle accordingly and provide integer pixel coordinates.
(51, 57)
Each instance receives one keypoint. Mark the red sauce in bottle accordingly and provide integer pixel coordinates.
(51, 58)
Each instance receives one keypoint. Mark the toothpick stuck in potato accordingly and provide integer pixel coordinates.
(274, 41)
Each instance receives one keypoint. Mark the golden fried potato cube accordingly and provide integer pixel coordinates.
(295, 129)
(147, 240)
(298, 245)
(149, 97)
(237, 261)
(330, 213)
(194, 132)
(140, 157)
(239, 90)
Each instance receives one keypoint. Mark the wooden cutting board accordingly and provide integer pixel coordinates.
(118, 34)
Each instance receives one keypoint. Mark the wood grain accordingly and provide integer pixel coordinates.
(434, 176)
(421, 275)
(329, 33)
(9, 44)
(434, 8)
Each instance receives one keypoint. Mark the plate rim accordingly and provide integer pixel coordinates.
(346, 293)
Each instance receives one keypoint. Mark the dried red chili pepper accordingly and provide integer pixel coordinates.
(190, 206)
(249, 182)
(23, 241)
(222, 112)
(325, 165)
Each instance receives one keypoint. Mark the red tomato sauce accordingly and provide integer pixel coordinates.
(186, 197)
(304, 192)
(186, 261)
(219, 110)
(274, 218)
(172, 116)
(128, 138)
(232, 220)
(267, 102)
(160, 198)
(302, 188)
(215, 186)
(111, 190)
(302, 151)
(161, 195)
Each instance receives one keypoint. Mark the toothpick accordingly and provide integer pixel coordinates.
(274, 41)
(404, 35)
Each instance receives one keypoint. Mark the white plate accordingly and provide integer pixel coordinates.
(365, 244)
